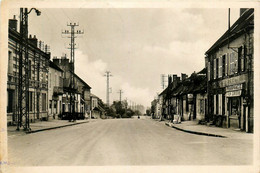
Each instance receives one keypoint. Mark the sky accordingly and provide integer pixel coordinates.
(136, 45)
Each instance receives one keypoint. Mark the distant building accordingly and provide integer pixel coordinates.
(97, 107)
(38, 76)
(230, 75)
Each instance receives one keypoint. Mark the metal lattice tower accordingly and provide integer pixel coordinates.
(120, 95)
(72, 48)
(23, 80)
(108, 89)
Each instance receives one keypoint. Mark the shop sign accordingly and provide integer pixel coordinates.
(234, 93)
(234, 87)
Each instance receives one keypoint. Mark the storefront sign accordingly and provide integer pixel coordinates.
(234, 93)
(234, 87)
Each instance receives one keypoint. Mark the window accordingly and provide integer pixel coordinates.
(30, 101)
(30, 69)
(208, 71)
(220, 67)
(43, 102)
(233, 60)
(224, 65)
(201, 106)
(50, 80)
(10, 63)
(241, 59)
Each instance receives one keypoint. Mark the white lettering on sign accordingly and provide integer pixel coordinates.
(234, 93)
(234, 87)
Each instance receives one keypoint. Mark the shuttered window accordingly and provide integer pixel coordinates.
(208, 71)
(215, 71)
(220, 67)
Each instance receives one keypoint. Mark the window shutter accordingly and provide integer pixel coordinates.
(215, 104)
(220, 104)
(235, 55)
(215, 63)
(208, 71)
(242, 59)
(220, 67)
(227, 64)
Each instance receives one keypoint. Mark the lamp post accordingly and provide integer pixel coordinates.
(23, 80)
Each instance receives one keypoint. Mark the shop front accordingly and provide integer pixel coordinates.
(235, 110)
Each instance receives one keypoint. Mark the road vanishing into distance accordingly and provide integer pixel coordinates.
(125, 142)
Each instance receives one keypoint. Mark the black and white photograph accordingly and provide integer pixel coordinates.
(118, 86)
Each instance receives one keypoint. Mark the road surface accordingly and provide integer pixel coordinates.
(125, 142)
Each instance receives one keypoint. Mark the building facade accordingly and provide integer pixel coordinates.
(55, 90)
(80, 93)
(230, 75)
(38, 60)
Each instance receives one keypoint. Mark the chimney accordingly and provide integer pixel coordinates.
(242, 11)
(169, 80)
(174, 80)
(183, 76)
(13, 24)
(33, 41)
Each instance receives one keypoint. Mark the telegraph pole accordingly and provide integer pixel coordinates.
(72, 35)
(120, 95)
(108, 89)
(163, 80)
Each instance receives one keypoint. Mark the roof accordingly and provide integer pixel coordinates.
(55, 66)
(244, 21)
(81, 80)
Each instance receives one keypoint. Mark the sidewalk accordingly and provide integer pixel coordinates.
(195, 128)
(44, 125)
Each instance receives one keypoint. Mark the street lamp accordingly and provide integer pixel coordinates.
(23, 86)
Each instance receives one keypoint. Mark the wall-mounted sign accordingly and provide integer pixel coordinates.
(234, 93)
(234, 87)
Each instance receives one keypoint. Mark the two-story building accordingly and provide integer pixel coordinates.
(38, 66)
(230, 75)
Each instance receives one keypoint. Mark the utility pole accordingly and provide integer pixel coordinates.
(120, 95)
(72, 48)
(163, 76)
(108, 89)
(23, 79)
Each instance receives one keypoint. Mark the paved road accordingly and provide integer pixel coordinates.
(125, 142)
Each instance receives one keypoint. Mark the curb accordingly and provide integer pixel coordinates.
(194, 132)
(56, 127)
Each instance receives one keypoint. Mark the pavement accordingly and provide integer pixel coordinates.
(125, 142)
(195, 128)
(39, 126)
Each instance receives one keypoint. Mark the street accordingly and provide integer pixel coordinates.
(125, 142)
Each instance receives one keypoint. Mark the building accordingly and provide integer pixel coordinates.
(97, 107)
(81, 92)
(55, 90)
(38, 60)
(230, 75)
